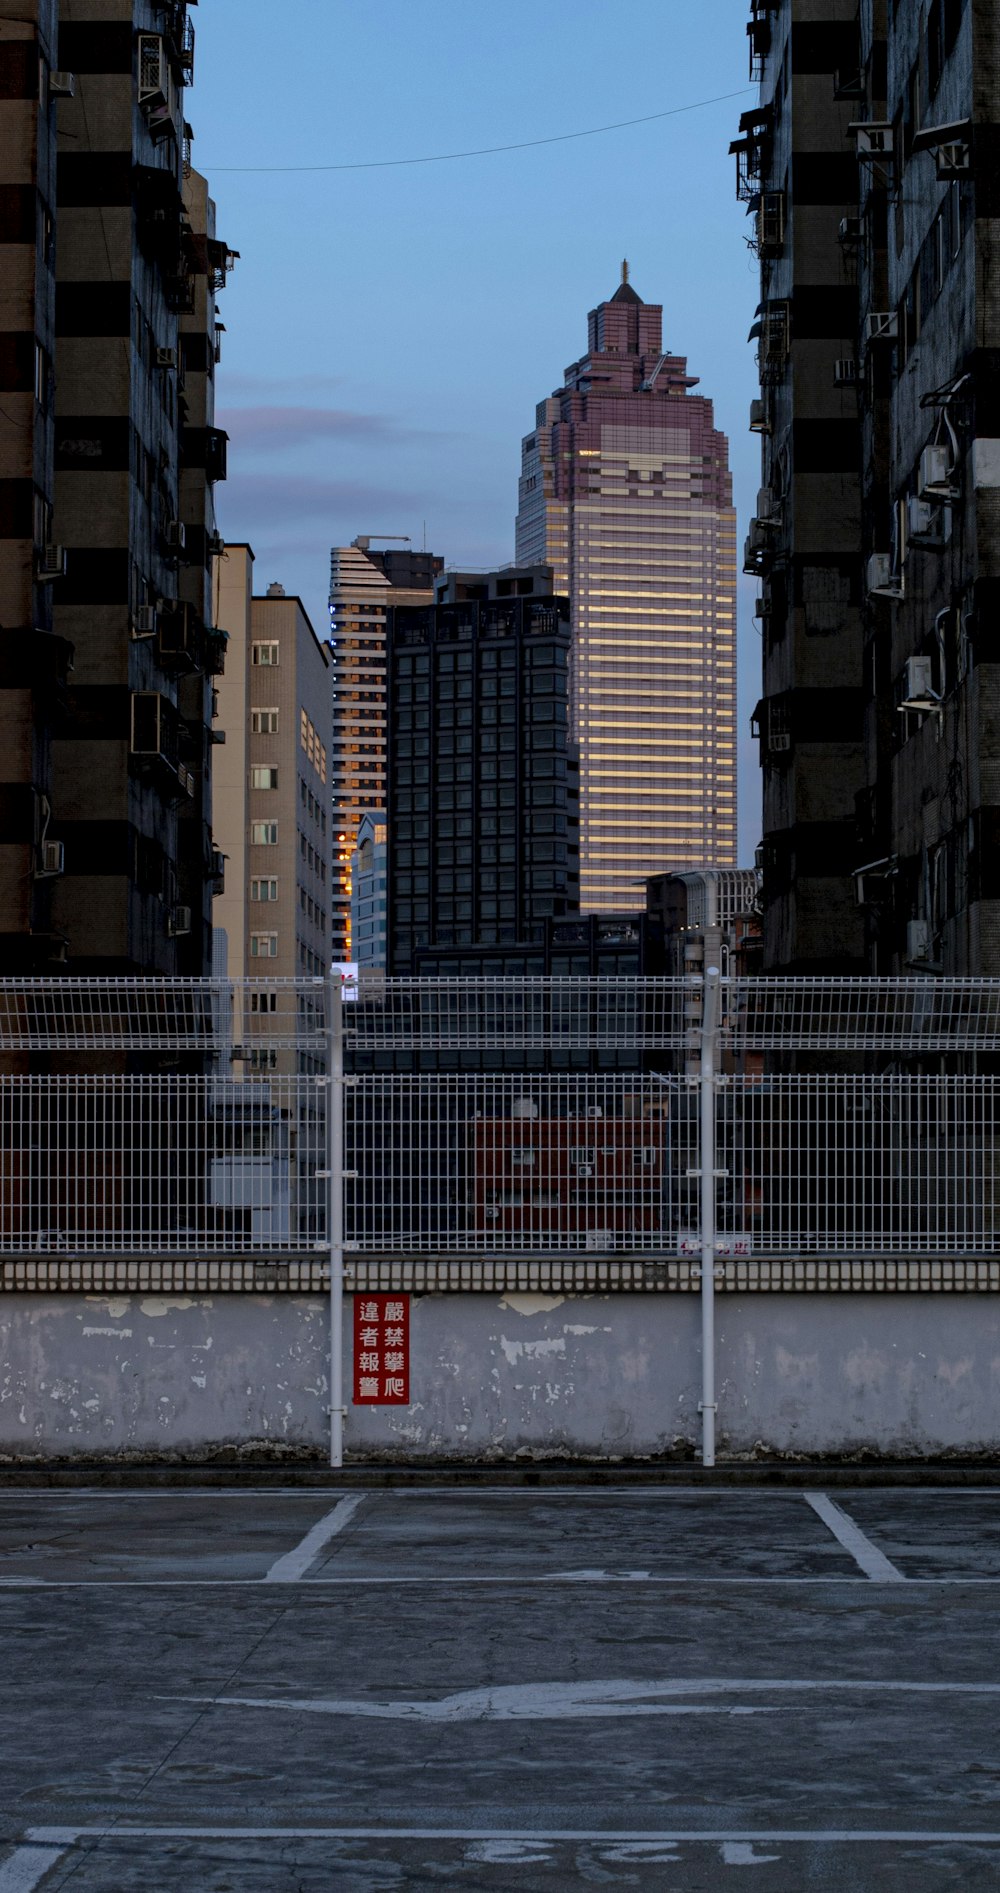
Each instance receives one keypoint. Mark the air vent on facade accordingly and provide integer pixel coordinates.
(62, 85)
(882, 325)
(874, 140)
(50, 562)
(918, 685)
(174, 535)
(845, 372)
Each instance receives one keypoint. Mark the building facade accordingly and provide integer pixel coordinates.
(482, 783)
(111, 272)
(369, 895)
(364, 583)
(870, 167)
(272, 818)
(625, 491)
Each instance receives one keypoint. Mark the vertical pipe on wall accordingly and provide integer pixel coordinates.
(335, 1209)
(709, 1028)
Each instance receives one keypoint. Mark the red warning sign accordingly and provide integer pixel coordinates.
(381, 1350)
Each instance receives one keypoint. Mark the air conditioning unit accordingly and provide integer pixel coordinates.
(918, 940)
(923, 519)
(881, 325)
(880, 579)
(761, 535)
(585, 1170)
(766, 506)
(491, 1214)
(935, 480)
(53, 857)
(174, 535)
(154, 71)
(216, 544)
(166, 358)
(918, 684)
(144, 622)
(178, 922)
(874, 140)
(50, 562)
(849, 230)
(845, 372)
(953, 161)
(62, 85)
(759, 423)
(594, 1110)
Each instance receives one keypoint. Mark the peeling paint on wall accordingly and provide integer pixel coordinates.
(532, 1304)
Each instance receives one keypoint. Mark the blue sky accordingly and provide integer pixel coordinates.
(389, 331)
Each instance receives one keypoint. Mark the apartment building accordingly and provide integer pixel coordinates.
(871, 169)
(272, 819)
(111, 271)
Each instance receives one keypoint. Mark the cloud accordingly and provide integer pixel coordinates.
(270, 501)
(265, 429)
(278, 385)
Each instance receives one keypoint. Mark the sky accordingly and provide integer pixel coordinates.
(389, 330)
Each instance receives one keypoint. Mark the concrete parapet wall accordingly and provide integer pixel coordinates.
(614, 1376)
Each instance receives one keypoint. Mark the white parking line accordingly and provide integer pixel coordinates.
(22, 1871)
(836, 1836)
(872, 1562)
(290, 1568)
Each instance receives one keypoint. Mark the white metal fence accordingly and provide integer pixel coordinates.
(488, 1119)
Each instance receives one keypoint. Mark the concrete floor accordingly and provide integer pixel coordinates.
(288, 1691)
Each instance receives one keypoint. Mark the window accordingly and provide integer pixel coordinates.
(264, 889)
(264, 722)
(263, 778)
(263, 946)
(315, 750)
(264, 654)
(264, 1001)
(264, 834)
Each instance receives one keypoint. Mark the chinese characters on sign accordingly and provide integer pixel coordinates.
(382, 1350)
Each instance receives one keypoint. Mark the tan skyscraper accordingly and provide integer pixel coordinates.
(625, 491)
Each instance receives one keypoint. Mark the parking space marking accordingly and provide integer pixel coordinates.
(23, 1870)
(636, 1836)
(872, 1562)
(292, 1567)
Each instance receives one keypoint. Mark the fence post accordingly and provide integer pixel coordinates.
(335, 1209)
(709, 1029)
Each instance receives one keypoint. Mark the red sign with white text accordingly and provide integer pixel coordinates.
(382, 1350)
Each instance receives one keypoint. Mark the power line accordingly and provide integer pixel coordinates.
(481, 151)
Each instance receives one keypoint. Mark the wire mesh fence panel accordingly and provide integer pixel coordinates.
(533, 1164)
(521, 1015)
(162, 1165)
(890, 1165)
(215, 1018)
(861, 1015)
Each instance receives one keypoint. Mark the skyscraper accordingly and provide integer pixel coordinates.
(482, 780)
(363, 584)
(625, 491)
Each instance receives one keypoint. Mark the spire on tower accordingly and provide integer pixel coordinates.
(624, 269)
